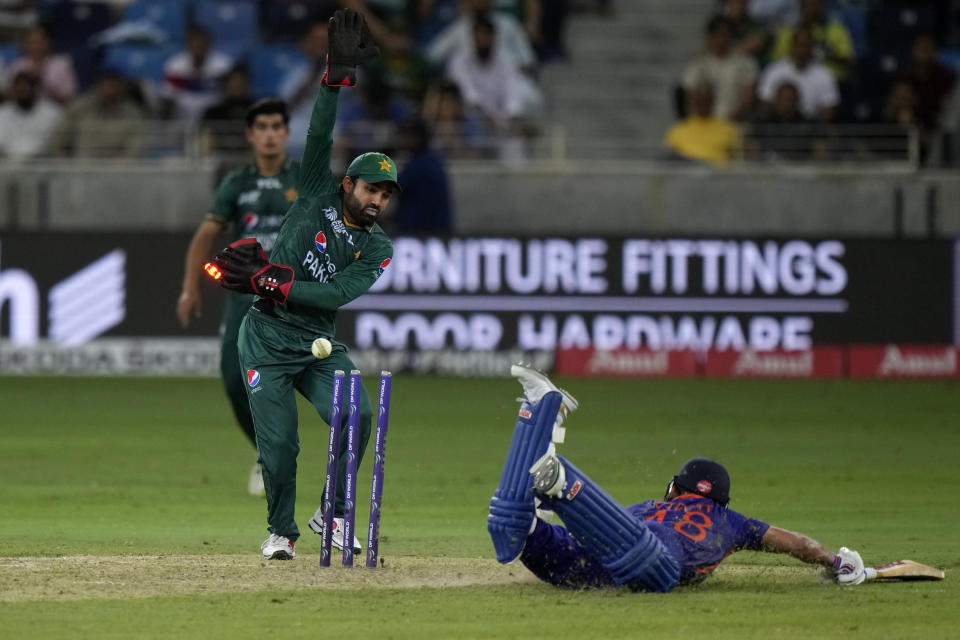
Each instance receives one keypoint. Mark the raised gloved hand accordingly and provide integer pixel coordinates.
(848, 567)
(350, 45)
(245, 269)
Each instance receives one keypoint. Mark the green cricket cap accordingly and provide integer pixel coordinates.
(374, 167)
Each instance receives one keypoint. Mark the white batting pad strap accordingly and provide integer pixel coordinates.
(559, 433)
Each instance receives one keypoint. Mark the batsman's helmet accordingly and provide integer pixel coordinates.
(704, 477)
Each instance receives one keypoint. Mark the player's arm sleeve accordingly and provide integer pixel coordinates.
(315, 174)
(223, 208)
(350, 284)
(749, 532)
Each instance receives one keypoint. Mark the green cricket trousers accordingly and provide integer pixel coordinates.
(234, 380)
(276, 359)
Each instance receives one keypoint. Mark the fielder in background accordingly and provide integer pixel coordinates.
(329, 251)
(655, 545)
(250, 201)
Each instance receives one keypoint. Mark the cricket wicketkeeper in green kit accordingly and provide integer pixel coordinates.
(329, 251)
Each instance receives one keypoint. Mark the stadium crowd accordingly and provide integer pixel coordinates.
(462, 77)
(777, 77)
(90, 79)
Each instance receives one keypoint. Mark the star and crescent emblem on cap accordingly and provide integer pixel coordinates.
(384, 165)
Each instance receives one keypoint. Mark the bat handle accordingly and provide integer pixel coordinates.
(871, 573)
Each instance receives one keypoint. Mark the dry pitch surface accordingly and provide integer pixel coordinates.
(84, 577)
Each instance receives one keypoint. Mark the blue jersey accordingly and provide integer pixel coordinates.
(695, 530)
(699, 532)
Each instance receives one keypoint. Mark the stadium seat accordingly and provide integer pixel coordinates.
(232, 24)
(170, 16)
(73, 23)
(269, 65)
(137, 60)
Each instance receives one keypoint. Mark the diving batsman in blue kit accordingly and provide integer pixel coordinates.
(655, 545)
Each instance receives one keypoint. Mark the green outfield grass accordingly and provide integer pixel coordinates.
(124, 511)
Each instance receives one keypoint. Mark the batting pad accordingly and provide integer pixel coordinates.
(632, 554)
(511, 508)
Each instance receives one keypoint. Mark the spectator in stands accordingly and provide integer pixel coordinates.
(299, 86)
(931, 81)
(495, 88)
(701, 136)
(902, 107)
(226, 121)
(191, 78)
(510, 40)
(784, 133)
(426, 205)
(489, 82)
(101, 123)
(58, 82)
(901, 104)
(747, 36)
(405, 71)
(26, 119)
(457, 132)
(731, 74)
(786, 106)
(819, 93)
(832, 44)
(370, 122)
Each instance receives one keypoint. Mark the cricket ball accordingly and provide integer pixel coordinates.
(321, 348)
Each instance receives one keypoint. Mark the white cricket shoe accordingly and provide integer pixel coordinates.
(277, 548)
(255, 483)
(535, 385)
(336, 538)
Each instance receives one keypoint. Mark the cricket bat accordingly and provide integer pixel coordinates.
(904, 570)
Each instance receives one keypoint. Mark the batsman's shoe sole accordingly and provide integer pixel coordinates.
(548, 476)
(277, 548)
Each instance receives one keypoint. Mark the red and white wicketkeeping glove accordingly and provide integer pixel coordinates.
(245, 269)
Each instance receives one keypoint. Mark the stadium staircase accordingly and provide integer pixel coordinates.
(613, 97)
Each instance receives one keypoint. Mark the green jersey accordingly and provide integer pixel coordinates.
(253, 204)
(333, 261)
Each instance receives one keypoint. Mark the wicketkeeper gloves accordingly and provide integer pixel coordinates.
(351, 44)
(245, 269)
